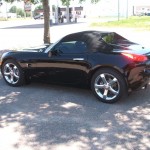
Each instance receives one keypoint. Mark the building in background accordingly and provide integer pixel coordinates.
(142, 10)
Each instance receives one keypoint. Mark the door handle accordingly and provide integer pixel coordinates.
(78, 59)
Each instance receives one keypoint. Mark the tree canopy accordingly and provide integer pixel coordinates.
(67, 2)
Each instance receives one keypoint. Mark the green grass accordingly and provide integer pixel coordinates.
(14, 19)
(3, 19)
(142, 22)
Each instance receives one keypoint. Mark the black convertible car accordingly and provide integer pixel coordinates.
(109, 63)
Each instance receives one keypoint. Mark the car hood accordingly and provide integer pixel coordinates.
(41, 48)
(35, 49)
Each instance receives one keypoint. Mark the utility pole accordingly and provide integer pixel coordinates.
(118, 10)
(1, 3)
(127, 10)
(73, 11)
(56, 12)
(6, 11)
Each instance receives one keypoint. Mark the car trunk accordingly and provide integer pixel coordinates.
(131, 48)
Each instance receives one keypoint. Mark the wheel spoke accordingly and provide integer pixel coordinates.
(105, 94)
(8, 67)
(103, 78)
(112, 81)
(99, 86)
(16, 76)
(15, 68)
(12, 79)
(6, 73)
(15, 71)
(113, 91)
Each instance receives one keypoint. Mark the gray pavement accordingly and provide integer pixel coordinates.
(51, 117)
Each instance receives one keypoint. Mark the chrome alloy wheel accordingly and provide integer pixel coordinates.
(107, 86)
(11, 73)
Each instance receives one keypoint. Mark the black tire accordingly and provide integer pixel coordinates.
(12, 73)
(111, 85)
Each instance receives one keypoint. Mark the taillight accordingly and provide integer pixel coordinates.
(135, 57)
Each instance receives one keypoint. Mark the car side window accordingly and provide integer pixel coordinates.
(71, 47)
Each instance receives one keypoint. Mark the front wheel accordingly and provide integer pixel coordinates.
(108, 85)
(12, 73)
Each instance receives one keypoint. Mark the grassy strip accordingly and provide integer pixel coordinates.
(3, 19)
(142, 22)
(14, 19)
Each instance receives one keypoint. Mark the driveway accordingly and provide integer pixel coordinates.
(50, 117)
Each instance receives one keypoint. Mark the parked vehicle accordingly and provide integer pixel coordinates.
(39, 17)
(108, 62)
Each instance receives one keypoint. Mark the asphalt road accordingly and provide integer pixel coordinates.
(43, 116)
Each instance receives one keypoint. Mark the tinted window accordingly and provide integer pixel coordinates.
(71, 47)
(114, 38)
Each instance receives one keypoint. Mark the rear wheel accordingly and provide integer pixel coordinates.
(12, 73)
(108, 85)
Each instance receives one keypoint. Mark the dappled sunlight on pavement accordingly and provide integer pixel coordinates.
(51, 117)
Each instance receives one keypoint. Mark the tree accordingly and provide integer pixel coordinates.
(18, 11)
(46, 9)
(40, 7)
(67, 2)
(47, 14)
(13, 9)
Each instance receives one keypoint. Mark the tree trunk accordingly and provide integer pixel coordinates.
(46, 21)
(67, 14)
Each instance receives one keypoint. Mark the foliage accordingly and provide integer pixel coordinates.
(28, 14)
(67, 2)
(13, 9)
(32, 1)
(39, 7)
(19, 11)
(92, 1)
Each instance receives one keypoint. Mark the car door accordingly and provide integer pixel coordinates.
(67, 61)
(69, 58)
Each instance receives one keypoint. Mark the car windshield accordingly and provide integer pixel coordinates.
(49, 48)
